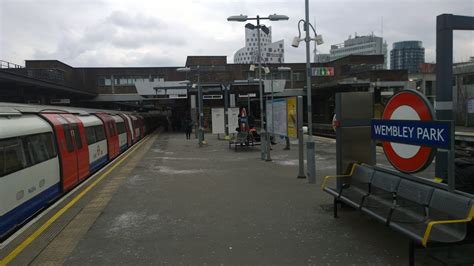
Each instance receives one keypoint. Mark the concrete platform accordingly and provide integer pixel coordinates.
(171, 202)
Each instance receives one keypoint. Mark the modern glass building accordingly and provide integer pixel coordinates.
(407, 55)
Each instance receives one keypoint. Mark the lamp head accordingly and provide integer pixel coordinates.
(319, 39)
(239, 18)
(276, 17)
(296, 42)
(183, 69)
(252, 68)
(266, 70)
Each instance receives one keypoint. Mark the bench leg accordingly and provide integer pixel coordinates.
(411, 253)
(335, 207)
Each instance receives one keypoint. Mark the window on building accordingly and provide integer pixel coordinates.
(468, 79)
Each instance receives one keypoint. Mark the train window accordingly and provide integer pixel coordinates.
(67, 135)
(40, 147)
(13, 155)
(77, 136)
(121, 127)
(90, 135)
(99, 133)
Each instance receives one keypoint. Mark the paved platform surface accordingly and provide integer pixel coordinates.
(174, 203)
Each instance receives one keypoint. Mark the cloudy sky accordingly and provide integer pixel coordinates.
(163, 33)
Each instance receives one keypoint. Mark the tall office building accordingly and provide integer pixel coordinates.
(407, 55)
(270, 52)
(360, 45)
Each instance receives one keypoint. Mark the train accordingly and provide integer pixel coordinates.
(46, 151)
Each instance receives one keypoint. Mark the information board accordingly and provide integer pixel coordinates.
(218, 123)
(470, 106)
(233, 119)
(277, 125)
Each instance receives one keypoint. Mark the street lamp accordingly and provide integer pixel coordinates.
(319, 40)
(243, 18)
(200, 103)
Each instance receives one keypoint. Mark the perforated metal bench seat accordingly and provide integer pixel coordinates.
(381, 200)
(355, 189)
(445, 218)
(422, 212)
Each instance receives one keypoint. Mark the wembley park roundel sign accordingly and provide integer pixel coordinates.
(412, 106)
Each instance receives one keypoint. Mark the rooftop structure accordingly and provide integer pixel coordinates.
(271, 52)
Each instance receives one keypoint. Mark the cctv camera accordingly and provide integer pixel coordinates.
(319, 39)
(296, 42)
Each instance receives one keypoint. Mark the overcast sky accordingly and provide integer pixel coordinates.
(163, 33)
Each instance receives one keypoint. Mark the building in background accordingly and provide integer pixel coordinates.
(360, 45)
(463, 92)
(271, 52)
(322, 58)
(407, 55)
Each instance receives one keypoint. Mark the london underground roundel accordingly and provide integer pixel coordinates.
(408, 105)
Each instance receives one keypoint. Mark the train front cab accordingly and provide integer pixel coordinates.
(71, 140)
(111, 134)
(96, 141)
(29, 169)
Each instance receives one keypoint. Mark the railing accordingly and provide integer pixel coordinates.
(6, 64)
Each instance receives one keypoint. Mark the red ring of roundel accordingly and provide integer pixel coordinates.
(425, 154)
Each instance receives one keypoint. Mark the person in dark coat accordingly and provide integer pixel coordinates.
(188, 128)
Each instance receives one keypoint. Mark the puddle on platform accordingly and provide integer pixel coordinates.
(162, 151)
(125, 221)
(180, 158)
(171, 171)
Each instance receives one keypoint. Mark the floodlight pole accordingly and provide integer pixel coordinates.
(310, 145)
(264, 149)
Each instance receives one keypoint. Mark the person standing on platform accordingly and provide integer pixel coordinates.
(188, 128)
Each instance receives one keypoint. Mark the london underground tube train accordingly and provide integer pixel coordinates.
(46, 151)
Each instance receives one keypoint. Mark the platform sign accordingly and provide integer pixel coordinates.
(291, 111)
(322, 71)
(409, 132)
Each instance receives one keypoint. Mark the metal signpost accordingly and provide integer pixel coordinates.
(445, 24)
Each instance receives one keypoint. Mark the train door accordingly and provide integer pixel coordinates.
(111, 134)
(80, 144)
(68, 155)
(128, 129)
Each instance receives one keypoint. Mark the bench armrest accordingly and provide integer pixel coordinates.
(432, 223)
(325, 180)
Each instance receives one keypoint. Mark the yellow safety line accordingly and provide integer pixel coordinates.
(51, 220)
